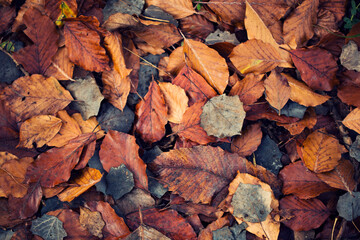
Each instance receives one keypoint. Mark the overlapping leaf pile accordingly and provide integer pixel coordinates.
(212, 120)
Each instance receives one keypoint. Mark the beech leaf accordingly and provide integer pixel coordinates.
(176, 101)
(248, 142)
(277, 90)
(352, 120)
(249, 89)
(177, 8)
(48, 227)
(348, 206)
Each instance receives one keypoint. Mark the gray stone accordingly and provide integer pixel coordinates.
(112, 118)
(268, 155)
(132, 7)
(8, 70)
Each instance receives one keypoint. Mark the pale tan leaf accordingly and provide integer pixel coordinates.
(277, 90)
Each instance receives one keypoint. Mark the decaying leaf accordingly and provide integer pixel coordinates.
(349, 57)
(48, 227)
(348, 205)
(92, 221)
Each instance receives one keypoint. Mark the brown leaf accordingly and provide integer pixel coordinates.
(304, 214)
(168, 222)
(61, 68)
(352, 120)
(208, 63)
(132, 62)
(230, 11)
(176, 61)
(145, 232)
(39, 129)
(349, 93)
(8, 124)
(342, 177)
(54, 8)
(115, 226)
(38, 4)
(88, 178)
(336, 7)
(177, 8)
(175, 100)
(196, 26)
(301, 182)
(28, 205)
(119, 20)
(54, 166)
(42, 31)
(302, 94)
(83, 44)
(7, 16)
(92, 221)
(298, 27)
(321, 152)
(120, 148)
(277, 90)
(249, 89)
(194, 84)
(35, 95)
(190, 128)
(255, 56)
(12, 175)
(207, 233)
(308, 121)
(317, 67)
(152, 115)
(259, 111)
(326, 21)
(89, 126)
(248, 142)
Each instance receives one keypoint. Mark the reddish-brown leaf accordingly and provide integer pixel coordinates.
(317, 67)
(230, 12)
(8, 124)
(303, 215)
(152, 115)
(190, 128)
(321, 152)
(7, 16)
(61, 68)
(336, 7)
(349, 93)
(248, 142)
(34, 95)
(132, 62)
(42, 31)
(83, 44)
(301, 182)
(194, 84)
(54, 166)
(168, 222)
(249, 89)
(120, 148)
(277, 90)
(196, 26)
(259, 111)
(308, 121)
(115, 227)
(341, 177)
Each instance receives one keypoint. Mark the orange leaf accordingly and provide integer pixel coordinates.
(120, 148)
(352, 120)
(42, 31)
(177, 8)
(54, 166)
(230, 11)
(321, 152)
(176, 61)
(175, 100)
(308, 121)
(277, 90)
(88, 178)
(317, 67)
(255, 56)
(208, 63)
(302, 94)
(89, 126)
(298, 27)
(301, 182)
(249, 89)
(34, 95)
(119, 20)
(190, 128)
(61, 68)
(39, 129)
(248, 142)
(83, 44)
(152, 115)
(12, 175)
(194, 84)
(342, 177)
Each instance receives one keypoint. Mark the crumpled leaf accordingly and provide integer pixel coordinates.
(176, 101)
(92, 221)
(277, 90)
(177, 8)
(34, 95)
(223, 116)
(39, 129)
(48, 227)
(348, 205)
(350, 55)
(88, 96)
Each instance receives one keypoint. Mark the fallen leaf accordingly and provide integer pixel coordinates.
(349, 93)
(152, 115)
(326, 20)
(92, 221)
(223, 116)
(119, 181)
(48, 227)
(35, 95)
(194, 84)
(57, 10)
(7, 15)
(255, 56)
(301, 182)
(351, 121)
(89, 126)
(263, 110)
(42, 31)
(229, 11)
(120, 148)
(249, 89)
(303, 215)
(277, 90)
(321, 152)
(39, 129)
(298, 26)
(146, 232)
(61, 68)
(88, 178)
(248, 142)
(348, 206)
(54, 166)
(83, 44)
(176, 101)
(308, 121)
(196, 26)
(317, 67)
(176, 61)
(208, 63)
(303, 95)
(177, 8)
(119, 20)
(336, 7)
(207, 233)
